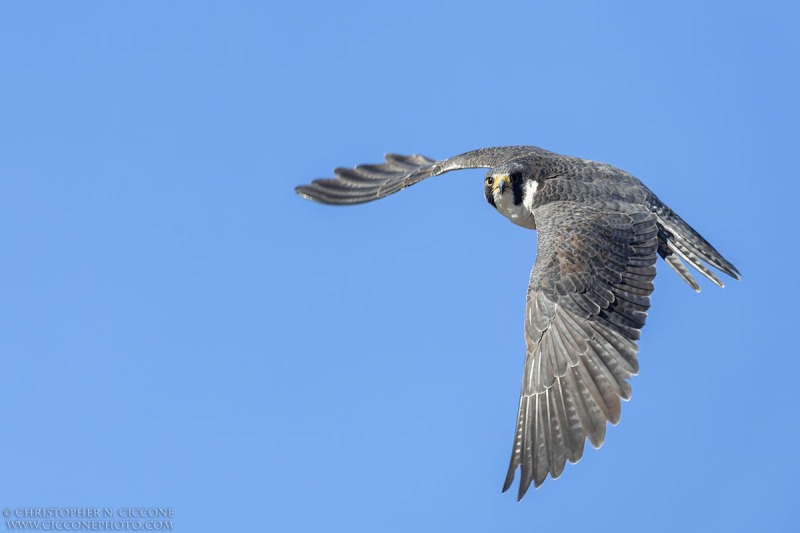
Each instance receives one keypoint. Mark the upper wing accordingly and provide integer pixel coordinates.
(588, 298)
(365, 183)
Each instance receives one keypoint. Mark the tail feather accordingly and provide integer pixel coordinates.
(669, 256)
(692, 259)
(678, 240)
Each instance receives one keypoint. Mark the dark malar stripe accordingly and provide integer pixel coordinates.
(516, 186)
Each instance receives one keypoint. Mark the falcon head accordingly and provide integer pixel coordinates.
(510, 190)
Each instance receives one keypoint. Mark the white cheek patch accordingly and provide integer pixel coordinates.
(530, 191)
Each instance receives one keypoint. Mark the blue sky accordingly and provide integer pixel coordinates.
(180, 330)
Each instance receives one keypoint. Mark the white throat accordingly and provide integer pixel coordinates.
(522, 214)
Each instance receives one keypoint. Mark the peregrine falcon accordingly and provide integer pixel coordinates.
(600, 229)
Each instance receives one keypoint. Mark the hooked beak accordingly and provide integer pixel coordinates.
(501, 183)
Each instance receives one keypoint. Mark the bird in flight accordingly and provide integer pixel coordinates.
(600, 229)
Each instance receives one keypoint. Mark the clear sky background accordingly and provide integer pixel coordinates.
(180, 330)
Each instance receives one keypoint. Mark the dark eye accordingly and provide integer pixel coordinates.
(489, 181)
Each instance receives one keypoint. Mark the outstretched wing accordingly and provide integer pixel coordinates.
(588, 298)
(366, 183)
